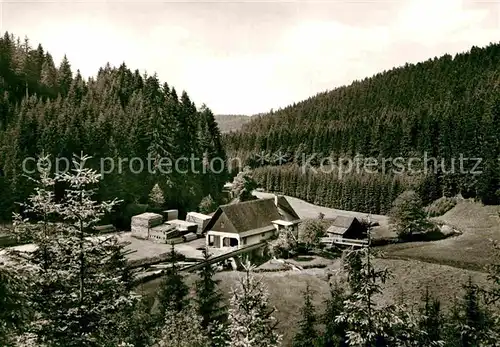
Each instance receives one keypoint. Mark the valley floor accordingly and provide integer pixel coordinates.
(408, 282)
(442, 266)
(471, 250)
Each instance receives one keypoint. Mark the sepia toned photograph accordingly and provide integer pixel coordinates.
(250, 173)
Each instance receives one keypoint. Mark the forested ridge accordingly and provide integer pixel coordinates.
(445, 107)
(120, 113)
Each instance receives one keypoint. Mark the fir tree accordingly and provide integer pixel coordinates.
(156, 196)
(207, 205)
(369, 324)
(64, 76)
(76, 288)
(208, 297)
(119, 114)
(172, 294)
(307, 334)
(183, 329)
(492, 294)
(471, 323)
(430, 321)
(251, 323)
(219, 334)
(49, 73)
(139, 324)
(334, 334)
(14, 314)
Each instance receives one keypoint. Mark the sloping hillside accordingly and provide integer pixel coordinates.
(410, 279)
(479, 225)
(307, 210)
(444, 108)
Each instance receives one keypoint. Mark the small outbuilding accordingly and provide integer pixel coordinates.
(346, 227)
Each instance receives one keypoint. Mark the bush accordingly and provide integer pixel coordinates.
(434, 235)
(207, 205)
(440, 206)
(284, 246)
(408, 216)
(310, 233)
(8, 241)
(331, 253)
(368, 224)
(156, 197)
(243, 185)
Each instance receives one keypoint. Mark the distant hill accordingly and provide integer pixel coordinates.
(231, 122)
(445, 108)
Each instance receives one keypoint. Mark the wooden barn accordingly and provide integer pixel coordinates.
(346, 227)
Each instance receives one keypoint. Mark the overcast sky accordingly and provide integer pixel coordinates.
(248, 57)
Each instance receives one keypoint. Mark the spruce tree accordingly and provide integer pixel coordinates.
(14, 312)
(119, 114)
(369, 324)
(307, 334)
(208, 297)
(49, 74)
(76, 285)
(64, 76)
(408, 215)
(156, 196)
(183, 329)
(430, 321)
(172, 294)
(492, 294)
(471, 323)
(334, 334)
(139, 324)
(251, 320)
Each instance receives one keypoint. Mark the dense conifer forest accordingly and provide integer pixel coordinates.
(118, 114)
(445, 108)
(77, 290)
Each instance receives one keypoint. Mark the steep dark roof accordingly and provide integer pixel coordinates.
(341, 224)
(343, 221)
(248, 215)
(285, 206)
